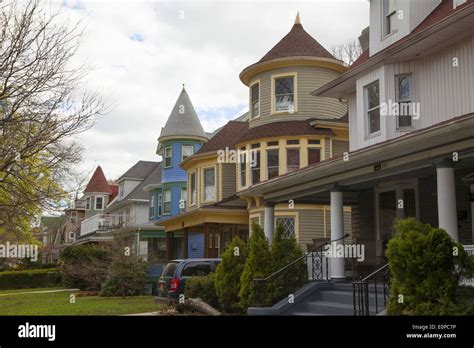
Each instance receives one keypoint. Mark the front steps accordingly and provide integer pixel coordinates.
(322, 298)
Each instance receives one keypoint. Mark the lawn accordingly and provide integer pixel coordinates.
(58, 304)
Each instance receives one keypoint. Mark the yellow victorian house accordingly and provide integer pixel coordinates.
(285, 129)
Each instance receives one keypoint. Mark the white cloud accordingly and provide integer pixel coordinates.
(140, 52)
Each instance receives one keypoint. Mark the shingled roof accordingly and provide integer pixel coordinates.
(296, 43)
(183, 120)
(98, 183)
(227, 136)
(139, 170)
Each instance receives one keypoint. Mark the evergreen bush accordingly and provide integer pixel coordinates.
(202, 287)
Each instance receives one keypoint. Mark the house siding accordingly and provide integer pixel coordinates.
(195, 244)
(228, 179)
(339, 147)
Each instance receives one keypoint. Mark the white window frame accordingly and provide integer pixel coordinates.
(182, 151)
(184, 197)
(88, 203)
(367, 110)
(293, 75)
(403, 100)
(95, 202)
(204, 196)
(251, 101)
(165, 201)
(193, 193)
(386, 15)
(170, 156)
(152, 210)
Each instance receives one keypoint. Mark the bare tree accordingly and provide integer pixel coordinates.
(40, 109)
(347, 52)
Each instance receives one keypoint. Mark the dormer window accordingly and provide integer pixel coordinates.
(390, 16)
(283, 93)
(99, 203)
(255, 99)
(121, 190)
(168, 156)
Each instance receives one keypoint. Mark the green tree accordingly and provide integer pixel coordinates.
(425, 265)
(284, 251)
(257, 265)
(127, 275)
(228, 275)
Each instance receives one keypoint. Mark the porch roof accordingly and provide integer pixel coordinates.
(418, 150)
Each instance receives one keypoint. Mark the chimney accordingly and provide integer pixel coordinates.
(364, 39)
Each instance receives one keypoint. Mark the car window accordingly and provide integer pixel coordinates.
(170, 269)
(196, 269)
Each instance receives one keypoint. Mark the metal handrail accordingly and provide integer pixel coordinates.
(360, 291)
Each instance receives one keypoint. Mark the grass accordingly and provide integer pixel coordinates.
(58, 304)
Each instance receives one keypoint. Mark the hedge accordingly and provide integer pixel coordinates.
(37, 278)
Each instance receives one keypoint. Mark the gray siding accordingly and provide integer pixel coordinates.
(308, 79)
(228, 179)
(327, 150)
(339, 147)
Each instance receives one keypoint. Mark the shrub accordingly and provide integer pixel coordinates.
(126, 276)
(228, 274)
(285, 251)
(40, 278)
(426, 265)
(84, 266)
(202, 287)
(257, 265)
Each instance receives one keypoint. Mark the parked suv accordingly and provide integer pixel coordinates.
(173, 278)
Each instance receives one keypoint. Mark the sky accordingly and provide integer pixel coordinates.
(140, 53)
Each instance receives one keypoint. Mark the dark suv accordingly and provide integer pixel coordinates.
(173, 278)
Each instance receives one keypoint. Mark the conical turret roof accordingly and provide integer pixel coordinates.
(183, 120)
(98, 183)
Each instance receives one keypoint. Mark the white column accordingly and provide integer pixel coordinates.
(447, 214)
(337, 231)
(269, 221)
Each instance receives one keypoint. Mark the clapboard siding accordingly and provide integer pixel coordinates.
(311, 225)
(308, 79)
(327, 149)
(195, 245)
(228, 179)
(339, 147)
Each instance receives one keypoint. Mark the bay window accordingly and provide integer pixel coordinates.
(167, 201)
(272, 163)
(209, 185)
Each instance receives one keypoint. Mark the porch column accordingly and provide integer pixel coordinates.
(446, 188)
(269, 221)
(337, 231)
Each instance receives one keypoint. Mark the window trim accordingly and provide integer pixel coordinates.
(171, 156)
(88, 203)
(295, 93)
(367, 110)
(203, 169)
(184, 198)
(243, 167)
(95, 202)
(287, 214)
(267, 169)
(259, 168)
(409, 100)
(190, 193)
(170, 201)
(152, 210)
(386, 18)
(250, 99)
(182, 148)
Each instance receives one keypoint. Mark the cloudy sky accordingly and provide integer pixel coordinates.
(141, 52)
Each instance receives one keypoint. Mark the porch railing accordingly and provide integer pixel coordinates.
(370, 294)
(469, 249)
(312, 266)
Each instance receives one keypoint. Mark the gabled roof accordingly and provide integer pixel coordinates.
(138, 194)
(183, 120)
(296, 43)
(227, 136)
(139, 170)
(98, 183)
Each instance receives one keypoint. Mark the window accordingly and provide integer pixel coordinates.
(121, 191)
(160, 204)
(243, 167)
(292, 160)
(390, 16)
(314, 156)
(72, 235)
(88, 203)
(73, 217)
(272, 143)
(404, 96)
(288, 223)
(167, 201)
(196, 269)
(168, 156)
(209, 185)
(99, 202)
(184, 199)
(314, 141)
(193, 188)
(152, 206)
(255, 99)
(272, 163)
(284, 94)
(372, 98)
(255, 166)
(293, 142)
(186, 151)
